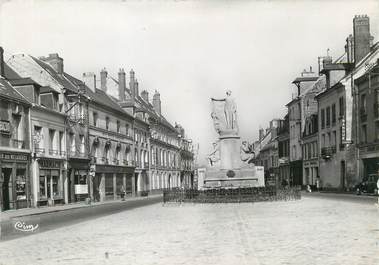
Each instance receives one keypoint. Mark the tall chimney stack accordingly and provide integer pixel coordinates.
(103, 80)
(121, 85)
(54, 61)
(349, 49)
(132, 83)
(145, 95)
(157, 102)
(1, 61)
(136, 92)
(261, 134)
(361, 31)
(89, 80)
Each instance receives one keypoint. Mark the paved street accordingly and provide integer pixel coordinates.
(309, 231)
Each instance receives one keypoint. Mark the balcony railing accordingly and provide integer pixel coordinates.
(18, 143)
(116, 161)
(125, 162)
(105, 160)
(62, 153)
(327, 152)
(39, 150)
(53, 152)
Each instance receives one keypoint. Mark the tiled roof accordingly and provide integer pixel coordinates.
(58, 77)
(7, 91)
(9, 73)
(100, 97)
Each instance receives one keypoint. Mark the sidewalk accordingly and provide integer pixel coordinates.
(50, 218)
(352, 197)
(58, 208)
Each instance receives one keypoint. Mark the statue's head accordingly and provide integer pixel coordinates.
(228, 92)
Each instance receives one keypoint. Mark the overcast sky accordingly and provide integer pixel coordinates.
(191, 50)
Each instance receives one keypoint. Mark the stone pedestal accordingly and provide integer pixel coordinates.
(252, 176)
(231, 172)
(230, 152)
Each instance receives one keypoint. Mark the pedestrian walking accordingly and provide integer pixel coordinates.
(318, 183)
(123, 193)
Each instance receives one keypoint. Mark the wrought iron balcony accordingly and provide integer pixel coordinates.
(40, 151)
(53, 152)
(18, 143)
(327, 152)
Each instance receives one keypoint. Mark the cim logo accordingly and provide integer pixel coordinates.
(23, 227)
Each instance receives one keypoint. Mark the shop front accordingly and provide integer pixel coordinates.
(109, 182)
(50, 175)
(310, 172)
(78, 180)
(14, 180)
(370, 163)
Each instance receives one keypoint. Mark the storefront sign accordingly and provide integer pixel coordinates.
(343, 129)
(5, 127)
(81, 189)
(47, 163)
(19, 157)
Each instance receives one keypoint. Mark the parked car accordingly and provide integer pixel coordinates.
(368, 185)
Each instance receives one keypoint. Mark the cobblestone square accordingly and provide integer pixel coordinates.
(309, 231)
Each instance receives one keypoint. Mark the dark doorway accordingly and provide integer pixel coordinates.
(343, 175)
(136, 183)
(7, 172)
(96, 187)
(69, 183)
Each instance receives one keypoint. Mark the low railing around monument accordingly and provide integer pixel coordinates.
(256, 194)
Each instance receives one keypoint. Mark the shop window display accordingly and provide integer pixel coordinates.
(20, 184)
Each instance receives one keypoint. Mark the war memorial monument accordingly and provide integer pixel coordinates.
(231, 160)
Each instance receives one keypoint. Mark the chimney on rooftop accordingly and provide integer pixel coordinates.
(157, 102)
(132, 83)
(54, 61)
(89, 80)
(261, 134)
(103, 80)
(362, 37)
(121, 85)
(349, 49)
(1, 61)
(136, 92)
(145, 95)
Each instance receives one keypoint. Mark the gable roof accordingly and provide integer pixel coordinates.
(7, 91)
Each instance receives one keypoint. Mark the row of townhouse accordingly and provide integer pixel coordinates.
(64, 139)
(330, 133)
